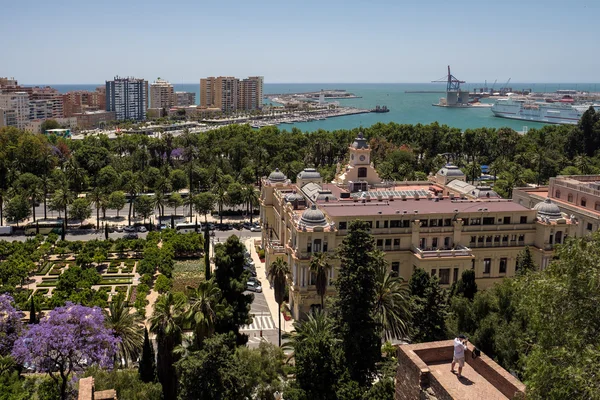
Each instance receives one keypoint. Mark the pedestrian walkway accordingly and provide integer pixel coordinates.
(269, 293)
(259, 323)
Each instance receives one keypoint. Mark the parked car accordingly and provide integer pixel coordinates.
(255, 228)
(253, 287)
(254, 279)
(250, 270)
(129, 228)
(142, 229)
(130, 235)
(162, 227)
(247, 225)
(224, 227)
(249, 262)
(119, 229)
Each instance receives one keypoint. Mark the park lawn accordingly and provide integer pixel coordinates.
(187, 273)
(44, 268)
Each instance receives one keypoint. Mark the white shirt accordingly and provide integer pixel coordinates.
(459, 349)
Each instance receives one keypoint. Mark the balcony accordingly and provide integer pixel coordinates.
(275, 247)
(457, 251)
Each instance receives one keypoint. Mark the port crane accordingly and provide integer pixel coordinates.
(505, 89)
(453, 84)
(492, 89)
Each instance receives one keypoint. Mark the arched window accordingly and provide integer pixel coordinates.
(557, 194)
(558, 237)
(583, 202)
(362, 172)
(570, 198)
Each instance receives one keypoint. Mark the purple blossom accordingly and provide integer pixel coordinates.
(10, 324)
(177, 153)
(69, 339)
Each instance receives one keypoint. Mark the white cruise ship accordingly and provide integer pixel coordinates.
(527, 110)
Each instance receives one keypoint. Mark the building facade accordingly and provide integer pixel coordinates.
(250, 93)
(185, 99)
(575, 195)
(53, 96)
(162, 94)
(415, 226)
(16, 108)
(81, 101)
(94, 119)
(127, 98)
(230, 94)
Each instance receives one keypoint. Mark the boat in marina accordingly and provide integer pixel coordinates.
(529, 110)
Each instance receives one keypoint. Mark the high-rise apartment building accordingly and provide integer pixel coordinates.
(16, 108)
(185, 99)
(230, 94)
(128, 98)
(161, 94)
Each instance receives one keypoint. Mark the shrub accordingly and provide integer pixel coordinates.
(163, 284)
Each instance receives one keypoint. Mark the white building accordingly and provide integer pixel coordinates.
(16, 108)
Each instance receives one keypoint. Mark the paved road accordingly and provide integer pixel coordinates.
(262, 323)
(111, 215)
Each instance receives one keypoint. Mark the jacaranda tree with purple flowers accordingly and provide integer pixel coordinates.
(10, 324)
(69, 339)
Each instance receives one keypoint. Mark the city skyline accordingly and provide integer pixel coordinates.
(333, 42)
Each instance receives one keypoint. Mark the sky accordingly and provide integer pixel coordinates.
(328, 41)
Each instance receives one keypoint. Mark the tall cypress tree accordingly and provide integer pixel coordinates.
(206, 251)
(32, 313)
(353, 310)
(147, 368)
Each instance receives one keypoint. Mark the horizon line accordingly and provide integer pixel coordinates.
(339, 83)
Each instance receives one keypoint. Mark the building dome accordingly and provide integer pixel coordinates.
(360, 142)
(451, 170)
(309, 173)
(277, 176)
(290, 198)
(313, 217)
(548, 209)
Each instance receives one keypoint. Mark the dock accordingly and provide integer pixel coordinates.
(424, 91)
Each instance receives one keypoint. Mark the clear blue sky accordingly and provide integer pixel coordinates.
(347, 41)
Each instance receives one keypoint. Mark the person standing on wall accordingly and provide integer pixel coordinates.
(460, 345)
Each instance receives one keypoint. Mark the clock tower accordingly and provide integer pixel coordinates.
(359, 169)
(360, 153)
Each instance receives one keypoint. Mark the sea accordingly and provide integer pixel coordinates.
(405, 108)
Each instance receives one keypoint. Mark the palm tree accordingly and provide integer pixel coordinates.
(278, 272)
(392, 310)
(220, 192)
(61, 199)
(320, 266)
(202, 311)
(132, 186)
(98, 197)
(317, 324)
(127, 327)
(250, 197)
(46, 182)
(159, 202)
(166, 323)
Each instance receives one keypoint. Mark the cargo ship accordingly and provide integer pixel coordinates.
(528, 110)
(380, 109)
